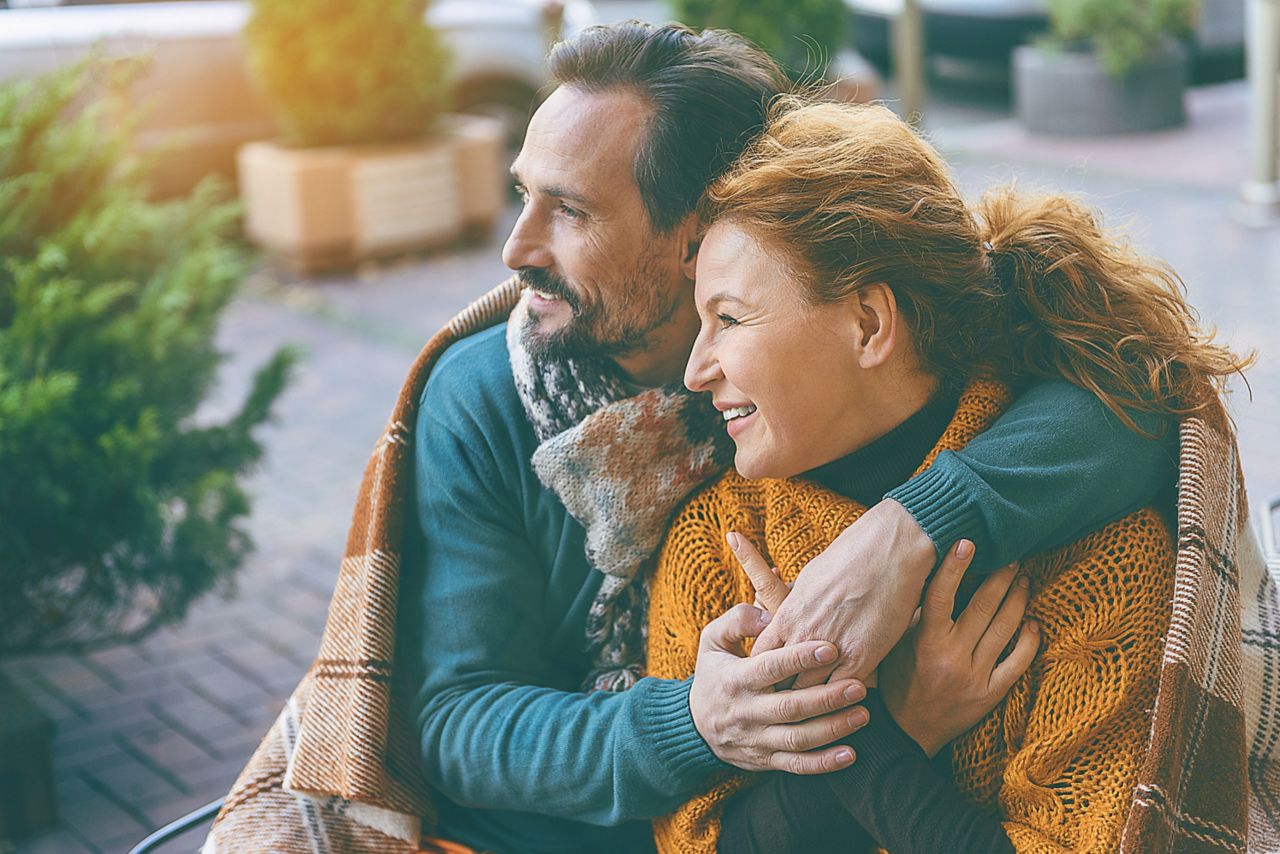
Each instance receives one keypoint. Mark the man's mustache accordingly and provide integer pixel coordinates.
(548, 283)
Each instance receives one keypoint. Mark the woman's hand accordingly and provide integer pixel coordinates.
(945, 676)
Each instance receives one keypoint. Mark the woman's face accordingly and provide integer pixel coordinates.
(789, 375)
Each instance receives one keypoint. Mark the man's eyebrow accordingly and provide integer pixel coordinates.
(557, 191)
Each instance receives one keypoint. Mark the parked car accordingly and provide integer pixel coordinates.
(198, 94)
(988, 31)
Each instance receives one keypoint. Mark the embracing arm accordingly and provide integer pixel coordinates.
(891, 797)
(499, 728)
(1056, 465)
(941, 679)
(1075, 732)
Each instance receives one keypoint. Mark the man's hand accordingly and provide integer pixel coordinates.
(753, 727)
(859, 594)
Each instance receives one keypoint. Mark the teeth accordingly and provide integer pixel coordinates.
(739, 412)
(543, 294)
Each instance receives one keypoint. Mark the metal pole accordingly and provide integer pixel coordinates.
(1260, 195)
(908, 59)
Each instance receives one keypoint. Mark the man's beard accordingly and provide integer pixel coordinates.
(592, 332)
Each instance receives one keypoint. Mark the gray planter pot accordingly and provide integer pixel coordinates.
(1069, 92)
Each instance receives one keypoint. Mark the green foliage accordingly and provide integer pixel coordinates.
(116, 510)
(1122, 32)
(802, 35)
(344, 72)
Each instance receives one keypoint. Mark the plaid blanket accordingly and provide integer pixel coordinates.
(339, 769)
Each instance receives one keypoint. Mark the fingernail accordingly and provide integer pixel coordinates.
(732, 537)
(825, 654)
(854, 693)
(858, 718)
(765, 616)
(1023, 581)
(844, 757)
(1033, 627)
(964, 548)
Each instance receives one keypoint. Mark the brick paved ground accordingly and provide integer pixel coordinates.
(149, 731)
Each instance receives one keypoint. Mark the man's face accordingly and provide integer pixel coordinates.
(603, 282)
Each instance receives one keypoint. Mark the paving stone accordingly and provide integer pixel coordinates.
(166, 746)
(61, 840)
(97, 815)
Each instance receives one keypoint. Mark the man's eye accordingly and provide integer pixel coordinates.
(726, 320)
(569, 211)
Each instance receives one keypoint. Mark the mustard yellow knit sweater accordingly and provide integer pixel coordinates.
(1059, 755)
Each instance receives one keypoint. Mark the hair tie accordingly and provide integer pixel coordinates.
(1002, 269)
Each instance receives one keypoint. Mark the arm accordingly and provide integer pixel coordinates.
(940, 680)
(1055, 465)
(499, 726)
(892, 797)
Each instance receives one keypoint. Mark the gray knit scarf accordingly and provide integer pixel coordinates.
(621, 464)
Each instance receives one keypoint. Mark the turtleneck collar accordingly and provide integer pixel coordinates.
(869, 472)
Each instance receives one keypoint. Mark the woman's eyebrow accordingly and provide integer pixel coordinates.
(720, 297)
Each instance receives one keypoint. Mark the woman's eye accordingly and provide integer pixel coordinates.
(726, 320)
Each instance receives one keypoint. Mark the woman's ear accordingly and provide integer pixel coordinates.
(688, 241)
(877, 324)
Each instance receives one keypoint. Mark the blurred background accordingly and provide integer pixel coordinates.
(226, 229)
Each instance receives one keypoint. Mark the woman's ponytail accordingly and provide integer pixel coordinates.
(1084, 306)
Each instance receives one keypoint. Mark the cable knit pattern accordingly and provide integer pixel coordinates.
(1061, 754)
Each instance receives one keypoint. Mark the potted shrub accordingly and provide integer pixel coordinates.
(366, 164)
(807, 38)
(1108, 66)
(117, 509)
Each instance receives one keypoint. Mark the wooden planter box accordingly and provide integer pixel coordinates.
(320, 208)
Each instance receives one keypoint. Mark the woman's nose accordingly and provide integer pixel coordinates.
(702, 369)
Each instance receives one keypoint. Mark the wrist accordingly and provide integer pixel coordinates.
(917, 731)
(903, 537)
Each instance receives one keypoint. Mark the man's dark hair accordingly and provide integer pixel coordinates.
(709, 92)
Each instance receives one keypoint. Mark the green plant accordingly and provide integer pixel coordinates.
(802, 35)
(1122, 32)
(341, 72)
(117, 506)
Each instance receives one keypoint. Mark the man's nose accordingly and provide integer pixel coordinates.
(526, 246)
(702, 369)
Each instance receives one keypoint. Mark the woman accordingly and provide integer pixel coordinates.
(858, 320)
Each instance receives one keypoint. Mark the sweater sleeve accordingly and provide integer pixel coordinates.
(498, 729)
(891, 796)
(1055, 466)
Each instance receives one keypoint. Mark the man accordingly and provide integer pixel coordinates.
(539, 489)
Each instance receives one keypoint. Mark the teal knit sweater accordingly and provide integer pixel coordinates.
(495, 591)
